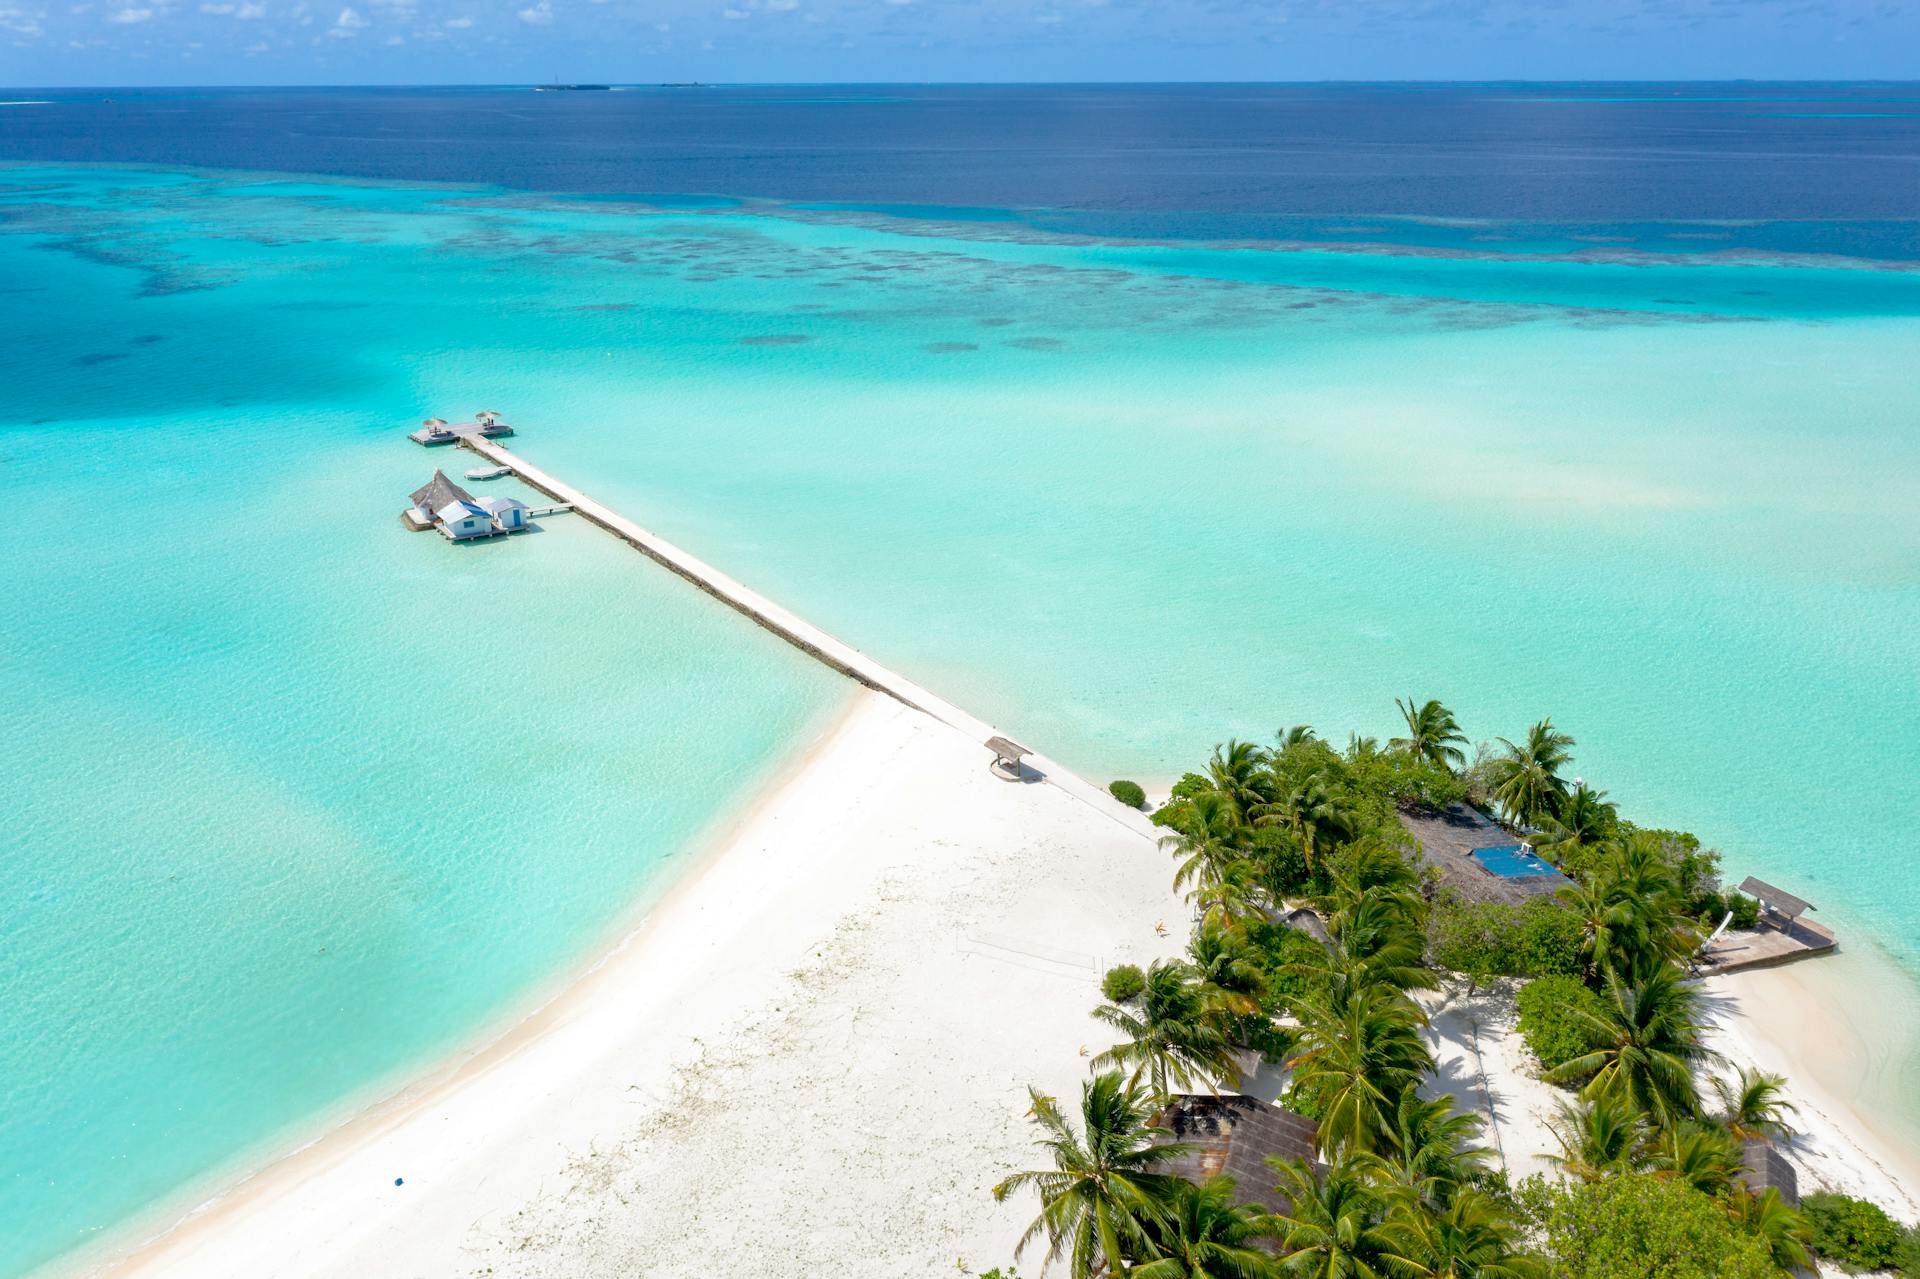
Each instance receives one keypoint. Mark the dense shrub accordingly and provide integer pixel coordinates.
(1406, 780)
(1547, 1022)
(1282, 862)
(1190, 784)
(1746, 911)
(1123, 982)
(1709, 908)
(1492, 939)
(1286, 957)
(1910, 1253)
(1636, 1226)
(1128, 793)
(1852, 1232)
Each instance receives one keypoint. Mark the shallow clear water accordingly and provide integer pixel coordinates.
(1123, 499)
(297, 800)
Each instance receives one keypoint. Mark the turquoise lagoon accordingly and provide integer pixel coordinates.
(1124, 499)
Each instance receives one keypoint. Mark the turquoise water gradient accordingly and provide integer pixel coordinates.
(297, 800)
(1122, 499)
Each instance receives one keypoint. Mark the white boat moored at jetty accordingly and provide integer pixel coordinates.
(489, 472)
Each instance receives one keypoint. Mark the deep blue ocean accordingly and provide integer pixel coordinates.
(1819, 168)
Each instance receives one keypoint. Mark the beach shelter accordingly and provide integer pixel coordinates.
(436, 493)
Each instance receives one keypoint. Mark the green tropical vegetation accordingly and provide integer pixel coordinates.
(1548, 1020)
(1123, 982)
(1267, 837)
(1129, 793)
(1853, 1233)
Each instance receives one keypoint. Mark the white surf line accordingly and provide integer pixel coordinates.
(799, 632)
(29, 102)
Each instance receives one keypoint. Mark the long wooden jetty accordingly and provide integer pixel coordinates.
(796, 630)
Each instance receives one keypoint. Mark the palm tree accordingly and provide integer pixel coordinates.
(1308, 808)
(1207, 1235)
(1427, 1150)
(1296, 735)
(1379, 934)
(1174, 1039)
(1650, 1043)
(1630, 909)
(1754, 1104)
(1207, 837)
(1611, 940)
(1644, 878)
(1787, 1234)
(1471, 1238)
(1695, 1155)
(1234, 892)
(1598, 1137)
(1585, 819)
(1433, 735)
(1527, 783)
(1101, 1196)
(1331, 1228)
(1238, 771)
(1229, 976)
(1358, 1051)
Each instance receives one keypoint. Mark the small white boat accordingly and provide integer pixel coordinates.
(489, 472)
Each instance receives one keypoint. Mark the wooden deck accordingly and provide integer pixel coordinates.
(1766, 946)
(802, 634)
(456, 432)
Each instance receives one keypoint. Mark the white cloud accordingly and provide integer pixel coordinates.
(457, 24)
(255, 49)
(218, 10)
(127, 17)
(348, 25)
(20, 22)
(782, 6)
(539, 15)
(394, 41)
(734, 15)
(248, 12)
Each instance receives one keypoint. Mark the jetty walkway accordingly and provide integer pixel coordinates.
(799, 632)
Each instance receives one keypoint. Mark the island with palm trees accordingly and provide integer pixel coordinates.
(1266, 1028)
(1324, 942)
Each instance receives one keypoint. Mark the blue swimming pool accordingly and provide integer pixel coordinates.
(1513, 861)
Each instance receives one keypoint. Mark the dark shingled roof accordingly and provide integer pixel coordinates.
(439, 492)
(1781, 900)
(1762, 1166)
(1235, 1135)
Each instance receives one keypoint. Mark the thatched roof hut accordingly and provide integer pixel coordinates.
(1763, 1167)
(439, 493)
(1236, 1135)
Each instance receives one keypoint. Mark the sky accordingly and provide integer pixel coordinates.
(266, 42)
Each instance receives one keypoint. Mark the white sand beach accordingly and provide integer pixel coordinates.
(812, 1056)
